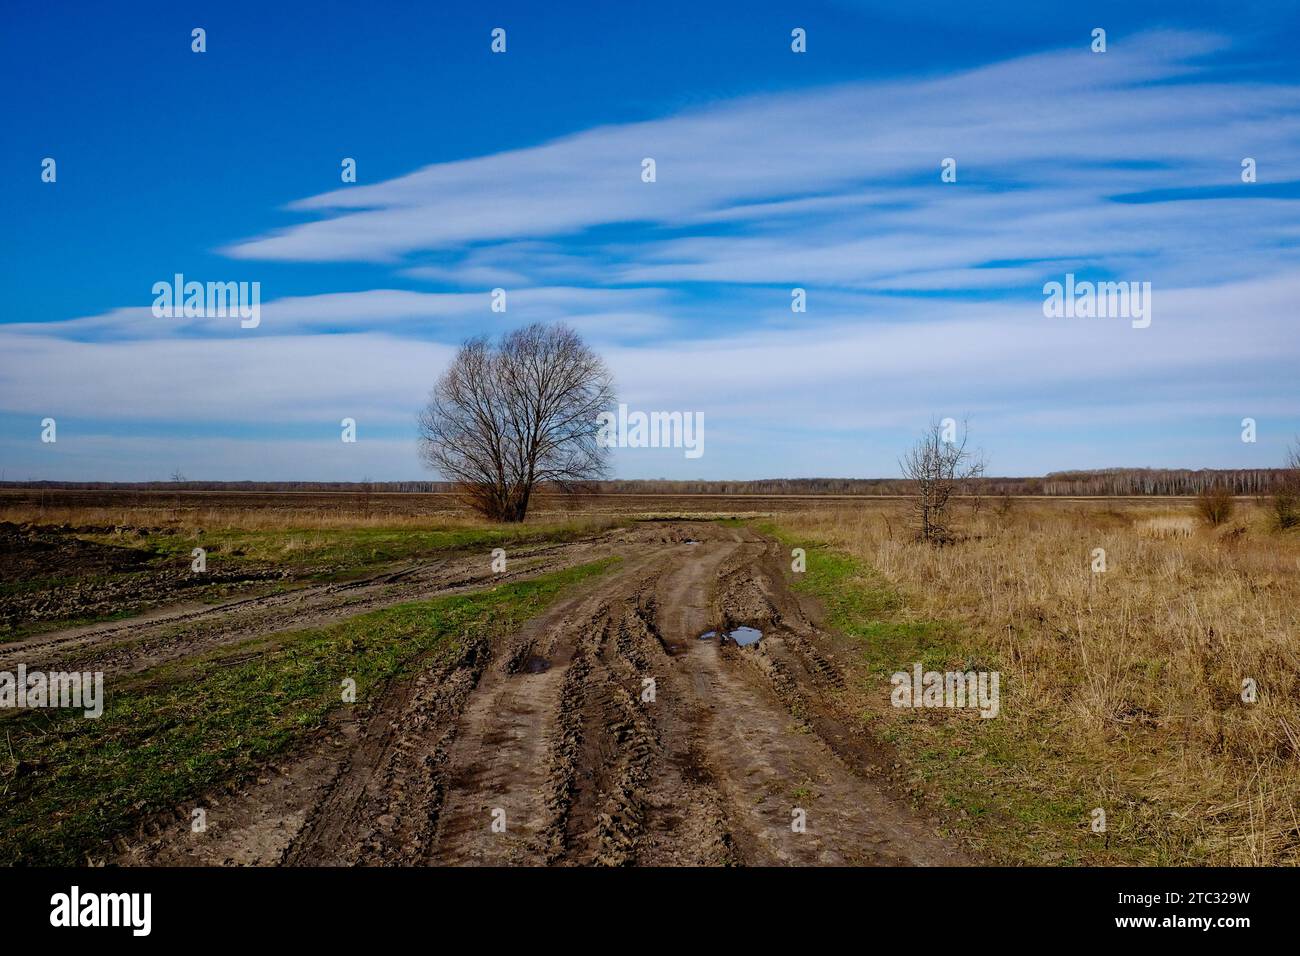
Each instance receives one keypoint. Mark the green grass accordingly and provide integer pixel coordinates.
(337, 548)
(197, 723)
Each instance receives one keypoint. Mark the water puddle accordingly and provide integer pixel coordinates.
(742, 636)
(535, 664)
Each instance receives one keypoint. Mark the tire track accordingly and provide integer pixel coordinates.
(524, 736)
(602, 732)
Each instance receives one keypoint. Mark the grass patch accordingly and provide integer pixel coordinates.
(30, 585)
(70, 783)
(338, 548)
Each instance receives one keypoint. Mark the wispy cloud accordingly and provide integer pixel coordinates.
(924, 297)
(841, 185)
(444, 316)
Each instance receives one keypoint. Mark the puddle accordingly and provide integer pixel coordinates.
(690, 541)
(535, 664)
(743, 636)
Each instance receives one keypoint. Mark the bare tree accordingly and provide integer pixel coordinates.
(938, 468)
(504, 418)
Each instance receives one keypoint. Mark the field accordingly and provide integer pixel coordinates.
(356, 678)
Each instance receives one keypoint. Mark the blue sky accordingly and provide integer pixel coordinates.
(775, 170)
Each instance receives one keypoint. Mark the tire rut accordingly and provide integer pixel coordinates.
(602, 732)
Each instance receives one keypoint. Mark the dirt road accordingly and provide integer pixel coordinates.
(605, 731)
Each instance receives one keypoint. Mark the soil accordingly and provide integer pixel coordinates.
(55, 575)
(551, 746)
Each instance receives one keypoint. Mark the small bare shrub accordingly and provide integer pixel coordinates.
(938, 468)
(1286, 500)
(1214, 504)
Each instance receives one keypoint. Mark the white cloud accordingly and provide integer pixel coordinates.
(450, 316)
(841, 184)
(836, 190)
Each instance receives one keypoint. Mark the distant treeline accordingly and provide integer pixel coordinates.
(1106, 481)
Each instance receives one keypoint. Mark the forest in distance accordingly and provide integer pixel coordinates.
(1105, 482)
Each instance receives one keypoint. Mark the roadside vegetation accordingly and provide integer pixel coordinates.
(1121, 689)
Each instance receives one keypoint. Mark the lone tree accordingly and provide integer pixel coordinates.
(939, 466)
(505, 417)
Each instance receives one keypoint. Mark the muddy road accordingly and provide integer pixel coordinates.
(605, 731)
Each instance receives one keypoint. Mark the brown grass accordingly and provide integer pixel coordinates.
(1127, 684)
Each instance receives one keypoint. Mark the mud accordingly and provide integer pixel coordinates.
(50, 574)
(603, 732)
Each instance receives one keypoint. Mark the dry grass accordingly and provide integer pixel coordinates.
(1127, 684)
